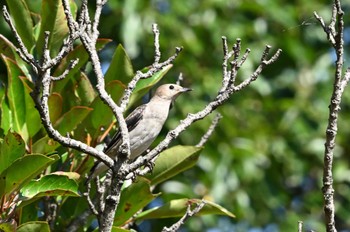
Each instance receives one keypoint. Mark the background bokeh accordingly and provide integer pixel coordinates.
(264, 161)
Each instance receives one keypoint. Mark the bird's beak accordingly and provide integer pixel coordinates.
(186, 90)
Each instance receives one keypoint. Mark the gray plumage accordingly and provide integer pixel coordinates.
(144, 124)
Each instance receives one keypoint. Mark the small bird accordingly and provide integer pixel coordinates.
(144, 124)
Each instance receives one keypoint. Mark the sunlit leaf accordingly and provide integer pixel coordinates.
(174, 161)
(120, 67)
(72, 118)
(21, 16)
(144, 85)
(34, 227)
(178, 207)
(53, 20)
(50, 185)
(12, 147)
(130, 202)
(23, 170)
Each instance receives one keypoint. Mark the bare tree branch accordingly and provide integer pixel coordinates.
(335, 35)
(189, 213)
(211, 129)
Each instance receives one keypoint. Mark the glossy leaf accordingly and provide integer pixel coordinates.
(144, 85)
(23, 22)
(8, 226)
(84, 89)
(45, 145)
(23, 170)
(130, 202)
(34, 227)
(55, 106)
(174, 161)
(120, 67)
(178, 207)
(12, 147)
(71, 119)
(9, 50)
(53, 20)
(80, 53)
(50, 185)
(32, 117)
(16, 96)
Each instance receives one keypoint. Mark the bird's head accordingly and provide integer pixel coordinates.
(170, 91)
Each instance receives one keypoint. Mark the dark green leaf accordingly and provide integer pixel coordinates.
(84, 89)
(55, 106)
(173, 161)
(12, 147)
(53, 20)
(45, 145)
(78, 52)
(120, 67)
(16, 96)
(178, 207)
(21, 16)
(23, 170)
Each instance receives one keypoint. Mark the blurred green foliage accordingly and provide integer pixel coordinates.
(264, 161)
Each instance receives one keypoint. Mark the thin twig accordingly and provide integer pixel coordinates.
(189, 213)
(210, 130)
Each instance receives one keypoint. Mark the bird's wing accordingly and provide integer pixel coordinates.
(131, 122)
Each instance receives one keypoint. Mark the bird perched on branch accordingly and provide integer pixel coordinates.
(144, 124)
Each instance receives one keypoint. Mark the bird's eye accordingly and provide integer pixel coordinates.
(171, 87)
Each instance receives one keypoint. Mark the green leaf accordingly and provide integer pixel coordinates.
(120, 67)
(35, 226)
(84, 89)
(69, 121)
(130, 202)
(12, 147)
(5, 114)
(173, 161)
(23, 22)
(45, 145)
(78, 52)
(23, 170)
(144, 85)
(8, 226)
(50, 185)
(102, 114)
(178, 207)
(16, 96)
(9, 50)
(32, 117)
(53, 20)
(55, 106)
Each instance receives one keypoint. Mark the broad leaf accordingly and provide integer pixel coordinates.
(130, 202)
(144, 85)
(23, 170)
(120, 67)
(173, 161)
(8, 226)
(34, 227)
(69, 121)
(9, 50)
(23, 22)
(55, 106)
(12, 147)
(45, 145)
(78, 52)
(178, 207)
(50, 185)
(53, 20)
(32, 117)
(84, 89)
(16, 96)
